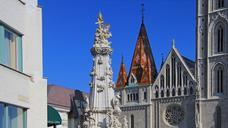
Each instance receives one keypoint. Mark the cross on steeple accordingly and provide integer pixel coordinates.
(142, 5)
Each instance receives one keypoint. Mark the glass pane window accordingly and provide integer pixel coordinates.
(15, 117)
(1, 116)
(10, 49)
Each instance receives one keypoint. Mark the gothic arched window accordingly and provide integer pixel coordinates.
(173, 72)
(185, 79)
(179, 91)
(191, 90)
(156, 91)
(173, 92)
(131, 97)
(134, 98)
(162, 93)
(167, 76)
(179, 80)
(220, 38)
(220, 3)
(220, 76)
(162, 82)
(137, 96)
(185, 91)
(167, 93)
(218, 117)
(132, 121)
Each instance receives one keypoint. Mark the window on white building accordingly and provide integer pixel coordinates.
(2, 116)
(10, 48)
(12, 116)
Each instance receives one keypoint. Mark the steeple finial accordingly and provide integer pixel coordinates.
(142, 5)
(122, 59)
(173, 43)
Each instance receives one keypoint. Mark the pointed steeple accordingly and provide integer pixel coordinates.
(122, 77)
(143, 66)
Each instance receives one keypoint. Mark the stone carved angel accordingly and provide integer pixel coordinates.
(116, 104)
(102, 33)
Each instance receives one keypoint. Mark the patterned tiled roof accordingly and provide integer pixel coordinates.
(143, 65)
(122, 77)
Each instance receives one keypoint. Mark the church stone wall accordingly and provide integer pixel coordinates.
(186, 104)
(140, 114)
(209, 114)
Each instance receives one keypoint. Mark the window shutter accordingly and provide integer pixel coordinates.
(19, 54)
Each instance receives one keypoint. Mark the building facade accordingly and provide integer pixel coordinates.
(212, 63)
(68, 103)
(23, 90)
(184, 93)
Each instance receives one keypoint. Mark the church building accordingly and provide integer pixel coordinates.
(183, 93)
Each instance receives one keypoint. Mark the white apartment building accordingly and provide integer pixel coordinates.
(23, 90)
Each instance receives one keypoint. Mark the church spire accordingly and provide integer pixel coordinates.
(122, 76)
(143, 66)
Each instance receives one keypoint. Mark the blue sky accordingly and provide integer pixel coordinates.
(69, 27)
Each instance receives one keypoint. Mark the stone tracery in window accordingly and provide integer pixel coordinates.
(174, 115)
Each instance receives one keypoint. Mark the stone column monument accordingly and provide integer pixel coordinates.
(103, 109)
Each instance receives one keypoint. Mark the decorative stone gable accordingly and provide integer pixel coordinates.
(175, 78)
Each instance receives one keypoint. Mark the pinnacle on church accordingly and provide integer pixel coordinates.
(143, 65)
(122, 76)
(162, 62)
(173, 43)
